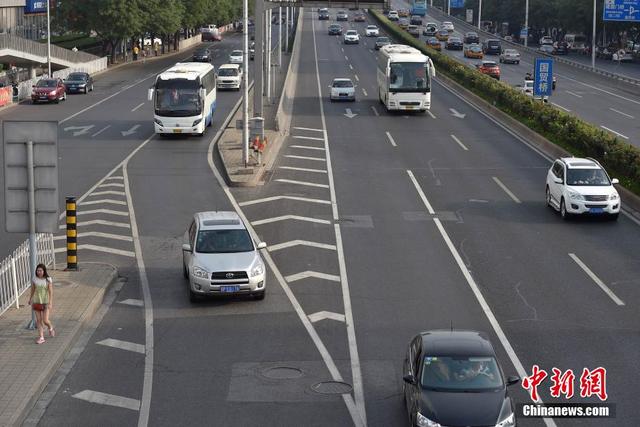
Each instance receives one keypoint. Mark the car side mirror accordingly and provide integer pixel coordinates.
(186, 247)
(557, 180)
(513, 380)
(615, 181)
(409, 379)
(150, 94)
(262, 245)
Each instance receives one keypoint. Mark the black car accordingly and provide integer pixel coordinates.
(415, 20)
(79, 83)
(452, 378)
(323, 15)
(430, 31)
(202, 55)
(335, 30)
(454, 43)
(492, 47)
(560, 48)
(382, 41)
(471, 37)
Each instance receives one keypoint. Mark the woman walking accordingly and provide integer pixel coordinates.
(41, 301)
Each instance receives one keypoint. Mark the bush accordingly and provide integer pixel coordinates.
(580, 138)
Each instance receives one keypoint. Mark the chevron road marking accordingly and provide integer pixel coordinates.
(98, 222)
(323, 315)
(308, 184)
(307, 137)
(104, 249)
(293, 243)
(112, 184)
(274, 198)
(303, 169)
(123, 345)
(314, 274)
(108, 192)
(308, 148)
(286, 217)
(97, 202)
(98, 234)
(108, 399)
(317, 159)
(103, 211)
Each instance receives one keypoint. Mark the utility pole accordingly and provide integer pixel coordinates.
(286, 41)
(268, 53)
(280, 36)
(49, 37)
(245, 82)
(593, 38)
(479, 15)
(526, 23)
(258, 89)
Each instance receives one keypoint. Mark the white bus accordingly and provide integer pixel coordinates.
(404, 78)
(184, 98)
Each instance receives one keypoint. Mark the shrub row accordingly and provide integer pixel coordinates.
(580, 138)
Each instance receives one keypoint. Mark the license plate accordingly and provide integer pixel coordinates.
(596, 210)
(177, 131)
(43, 97)
(234, 288)
(409, 107)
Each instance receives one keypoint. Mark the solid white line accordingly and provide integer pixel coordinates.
(464, 147)
(318, 159)
(303, 169)
(309, 129)
(100, 131)
(342, 49)
(506, 190)
(288, 217)
(620, 112)
(324, 315)
(112, 184)
(133, 302)
(614, 132)
(391, 139)
(274, 198)
(351, 66)
(346, 57)
(307, 137)
(573, 93)
(294, 243)
(561, 107)
(364, 91)
(306, 183)
(102, 211)
(431, 114)
(306, 274)
(356, 76)
(108, 192)
(308, 148)
(122, 345)
(596, 279)
(98, 234)
(135, 108)
(375, 111)
(108, 399)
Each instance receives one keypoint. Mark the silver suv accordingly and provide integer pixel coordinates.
(220, 257)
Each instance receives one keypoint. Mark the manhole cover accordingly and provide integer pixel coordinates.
(332, 387)
(282, 373)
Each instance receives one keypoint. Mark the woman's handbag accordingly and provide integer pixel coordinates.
(38, 307)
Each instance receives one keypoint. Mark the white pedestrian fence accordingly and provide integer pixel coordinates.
(15, 271)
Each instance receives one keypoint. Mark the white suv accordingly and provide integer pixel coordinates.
(372, 31)
(219, 257)
(229, 76)
(581, 186)
(447, 25)
(351, 36)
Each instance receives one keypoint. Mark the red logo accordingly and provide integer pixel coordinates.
(592, 383)
(531, 383)
(562, 383)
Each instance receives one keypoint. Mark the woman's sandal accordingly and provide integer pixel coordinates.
(52, 332)
(40, 340)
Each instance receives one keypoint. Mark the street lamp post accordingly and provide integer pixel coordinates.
(593, 38)
(245, 83)
(49, 37)
(479, 14)
(526, 23)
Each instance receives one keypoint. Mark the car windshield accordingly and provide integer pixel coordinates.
(352, 33)
(475, 49)
(454, 39)
(461, 374)
(510, 52)
(342, 83)
(409, 77)
(47, 83)
(489, 64)
(177, 98)
(382, 39)
(587, 177)
(76, 77)
(236, 53)
(223, 241)
(226, 72)
(201, 52)
(372, 27)
(493, 44)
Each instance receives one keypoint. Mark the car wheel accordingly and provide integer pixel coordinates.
(193, 297)
(57, 100)
(613, 217)
(259, 296)
(33, 101)
(86, 90)
(548, 197)
(185, 273)
(563, 211)
(517, 62)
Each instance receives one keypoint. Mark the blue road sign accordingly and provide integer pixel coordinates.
(543, 77)
(35, 6)
(523, 32)
(622, 10)
(456, 4)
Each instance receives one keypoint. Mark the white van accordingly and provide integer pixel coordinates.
(229, 76)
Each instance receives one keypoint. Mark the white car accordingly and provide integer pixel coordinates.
(342, 89)
(351, 37)
(229, 76)
(393, 15)
(372, 31)
(219, 257)
(447, 25)
(581, 186)
(235, 57)
(510, 56)
(527, 88)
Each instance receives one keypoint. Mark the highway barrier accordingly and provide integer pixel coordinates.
(285, 106)
(72, 234)
(580, 138)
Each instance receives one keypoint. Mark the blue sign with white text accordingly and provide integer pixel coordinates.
(457, 4)
(622, 10)
(543, 77)
(35, 6)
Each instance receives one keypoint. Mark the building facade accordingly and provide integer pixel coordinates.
(24, 18)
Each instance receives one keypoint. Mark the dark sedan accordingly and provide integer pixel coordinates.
(382, 41)
(79, 83)
(471, 37)
(415, 20)
(454, 43)
(452, 378)
(334, 30)
(414, 30)
(202, 55)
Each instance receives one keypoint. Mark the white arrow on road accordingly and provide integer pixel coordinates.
(130, 131)
(456, 114)
(350, 114)
(79, 130)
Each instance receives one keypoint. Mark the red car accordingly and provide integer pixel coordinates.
(48, 90)
(490, 68)
(360, 18)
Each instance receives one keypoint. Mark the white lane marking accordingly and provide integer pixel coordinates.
(133, 302)
(307, 148)
(475, 289)
(324, 315)
(431, 114)
(288, 217)
(122, 345)
(391, 139)
(573, 93)
(98, 222)
(455, 138)
(108, 192)
(102, 249)
(113, 184)
(313, 138)
(98, 234)
(305, 183)
(303, 169)
(506, 190)
(102, 211)
(342, 49)
(108, 399)
(356, 76)
(351, 66)
(307, 274)
(359, 416)
(318, 159)
(293, 243)
(131, 130)
(561, 107)
(375, 111)
(274, 198)
(614, 132)
(346, 57)
(620, 112)
(601, 90)
(135, 108)
(309, 129)
(100, 131)
(364, 91)
(114, 178)
(596, 279)
(478, 201)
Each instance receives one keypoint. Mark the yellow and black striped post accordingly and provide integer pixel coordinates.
(72, 235)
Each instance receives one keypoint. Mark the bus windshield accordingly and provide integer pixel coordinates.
(409, 77)
(178, 98)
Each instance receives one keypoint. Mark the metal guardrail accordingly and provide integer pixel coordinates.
(15, 271)
(8, 41)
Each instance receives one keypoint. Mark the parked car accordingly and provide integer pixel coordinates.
(342, 89)
(490, 68)
(473, 51)
(414, 30)
(510, 56)
(430, 30)
(454, 43)
(48, 90)
(471, 37)
(78, 82)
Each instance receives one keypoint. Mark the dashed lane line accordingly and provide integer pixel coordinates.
(305, 147)
(290, 217)
(391, 140)
(135, 108)
(122, 345)
(294, 243)
(100, 131)
(561, 107)
(573, 93)
(596, 279)
(614, 132)
(303, 169)
(317, 159)
(309, 129)
(621, 113)
(133, 302)
(305, 183)
(455, 138)
(364, 91)
(505, 189)
(307, 137)
(431, 114)
(375, 111)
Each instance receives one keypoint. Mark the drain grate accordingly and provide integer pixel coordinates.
(332, 387)
(282, 373)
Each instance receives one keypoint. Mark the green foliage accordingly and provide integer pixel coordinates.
(580, 138)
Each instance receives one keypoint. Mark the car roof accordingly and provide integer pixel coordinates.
(371, 26)
(493, 40)
(489, 63)
(219, 220)
(454, 38)
(341, 79)
(580, 163)
(224, 66)
(235, 52)
(456, 343)
(352, 31)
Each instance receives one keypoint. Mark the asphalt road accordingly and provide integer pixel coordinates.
(609, 105)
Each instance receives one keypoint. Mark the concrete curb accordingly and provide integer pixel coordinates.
(60, 355)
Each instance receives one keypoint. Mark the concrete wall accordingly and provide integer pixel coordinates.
(187, 43)
(285, 106)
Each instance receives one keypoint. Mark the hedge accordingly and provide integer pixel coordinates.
(580, 138)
